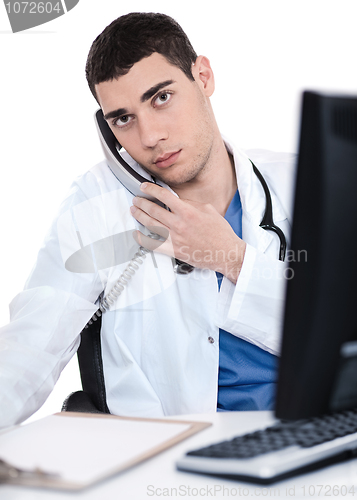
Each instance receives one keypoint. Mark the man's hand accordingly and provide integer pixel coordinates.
(198, 234)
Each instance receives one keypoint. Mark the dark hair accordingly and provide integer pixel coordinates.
(132, 37)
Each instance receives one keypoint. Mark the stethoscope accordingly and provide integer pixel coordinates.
(267, 223)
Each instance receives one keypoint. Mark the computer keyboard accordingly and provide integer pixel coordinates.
(279, 451)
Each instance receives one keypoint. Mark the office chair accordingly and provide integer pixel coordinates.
(93, 397)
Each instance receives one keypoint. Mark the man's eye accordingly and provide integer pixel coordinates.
(162, 98)
(122, 121)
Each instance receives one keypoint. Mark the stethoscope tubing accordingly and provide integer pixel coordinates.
(267, 220)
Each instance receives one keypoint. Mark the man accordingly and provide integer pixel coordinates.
(171, 343)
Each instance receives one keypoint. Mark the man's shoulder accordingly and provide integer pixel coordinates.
(98, 180)
(96, 175)
(265, 160)
(276, 167)
(96, 183)
(270, 159)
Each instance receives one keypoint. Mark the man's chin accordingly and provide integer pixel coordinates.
(175, 175)
(167, 176)
(174, 181)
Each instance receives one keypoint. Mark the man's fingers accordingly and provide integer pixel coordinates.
(162, 194)
(147, 212)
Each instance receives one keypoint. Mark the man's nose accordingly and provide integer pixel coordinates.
(152, 130)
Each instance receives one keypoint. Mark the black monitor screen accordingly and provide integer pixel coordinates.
(318, 369)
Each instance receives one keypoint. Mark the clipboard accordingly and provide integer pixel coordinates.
(72, 451)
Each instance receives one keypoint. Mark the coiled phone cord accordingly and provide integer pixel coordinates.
(119, 286)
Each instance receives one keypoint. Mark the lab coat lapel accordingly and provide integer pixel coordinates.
(253, 202)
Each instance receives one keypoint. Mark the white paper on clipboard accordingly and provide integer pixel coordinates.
(75, 450)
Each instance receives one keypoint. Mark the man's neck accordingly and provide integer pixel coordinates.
(216, 184)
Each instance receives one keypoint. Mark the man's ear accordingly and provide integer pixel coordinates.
(203, 74)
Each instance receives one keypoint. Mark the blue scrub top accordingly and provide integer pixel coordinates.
(247, 374)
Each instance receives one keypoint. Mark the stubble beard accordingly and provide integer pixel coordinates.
(193, 169)
(187, 173)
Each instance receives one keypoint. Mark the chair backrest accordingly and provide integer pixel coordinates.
(91, 365)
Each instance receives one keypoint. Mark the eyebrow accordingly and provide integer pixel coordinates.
(145, 97)
(116, 113)
(152, 91)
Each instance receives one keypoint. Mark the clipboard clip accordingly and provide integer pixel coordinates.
(10, 473)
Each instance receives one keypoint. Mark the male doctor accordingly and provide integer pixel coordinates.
(171, 343)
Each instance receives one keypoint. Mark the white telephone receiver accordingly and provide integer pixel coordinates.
(131, 180)
(120, 168)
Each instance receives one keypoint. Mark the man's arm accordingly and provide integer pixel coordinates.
(47, 317)
(35, 346)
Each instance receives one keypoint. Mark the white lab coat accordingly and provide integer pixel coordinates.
(160, 343)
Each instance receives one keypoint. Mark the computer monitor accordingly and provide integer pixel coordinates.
(318, 369)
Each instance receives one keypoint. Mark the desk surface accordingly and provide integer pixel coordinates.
(158, 477)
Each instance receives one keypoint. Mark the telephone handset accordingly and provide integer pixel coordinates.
(120, 168)
(131, 180)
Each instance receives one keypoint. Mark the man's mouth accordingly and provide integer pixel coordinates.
(167, 159)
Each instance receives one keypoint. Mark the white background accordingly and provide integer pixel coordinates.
(263, 53)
